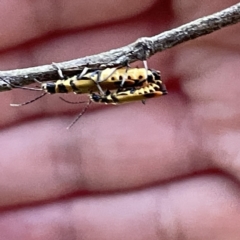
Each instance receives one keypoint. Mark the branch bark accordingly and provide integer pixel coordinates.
(141, 49)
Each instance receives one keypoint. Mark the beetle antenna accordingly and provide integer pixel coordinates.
(80, 114)
(70, 101)
(26, 103)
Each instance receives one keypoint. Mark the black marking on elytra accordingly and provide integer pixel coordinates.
(137, 82)
(74, 87)
(107, 92)
(150, 78)
(62, 88)
(115, 99)
(150, 95)
(118, 83)
(51, 87)
(83, 78)
(140, 83)
(156, 75)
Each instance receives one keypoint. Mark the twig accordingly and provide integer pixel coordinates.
(142, 49)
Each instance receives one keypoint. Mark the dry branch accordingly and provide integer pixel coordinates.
(142, 49)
